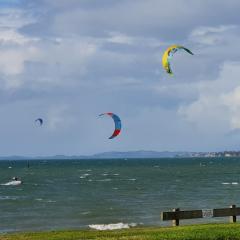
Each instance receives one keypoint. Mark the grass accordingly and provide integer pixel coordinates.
(193, 232)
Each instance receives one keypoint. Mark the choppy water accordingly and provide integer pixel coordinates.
(78, 193)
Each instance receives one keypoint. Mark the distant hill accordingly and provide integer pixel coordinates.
(131, 154)
(106, 155)
(137, 154)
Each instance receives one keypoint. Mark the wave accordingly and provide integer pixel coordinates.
(112, 226)
(228, 183)
(46, 201)
(84, 170)
(104, 174)
(51, 201)
(85, 213)
(12, 183)
(104, 180)
(85, 175)
(8, 198)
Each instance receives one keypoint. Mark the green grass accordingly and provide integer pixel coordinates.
(196, 232)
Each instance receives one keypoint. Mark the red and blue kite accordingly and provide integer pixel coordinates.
(117, 122)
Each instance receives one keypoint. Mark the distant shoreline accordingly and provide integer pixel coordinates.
(129, 155)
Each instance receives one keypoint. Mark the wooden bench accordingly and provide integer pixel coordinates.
(176, 215)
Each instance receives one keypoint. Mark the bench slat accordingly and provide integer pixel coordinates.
(165, 216)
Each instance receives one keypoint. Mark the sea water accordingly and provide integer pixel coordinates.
(70, 194)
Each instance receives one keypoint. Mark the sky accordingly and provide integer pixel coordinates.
(67, 61)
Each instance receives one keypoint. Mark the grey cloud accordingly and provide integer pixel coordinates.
(97, 56)
(159, 19)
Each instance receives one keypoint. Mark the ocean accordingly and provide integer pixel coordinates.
(75, 194)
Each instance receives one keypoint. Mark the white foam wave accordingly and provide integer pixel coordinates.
(104, 180)
(51, 201)
(228, 183)
(12, 183)
(132, 179)
(84, 175)
(84, 170)
(112, 226)
(85, 213)
(8, 198)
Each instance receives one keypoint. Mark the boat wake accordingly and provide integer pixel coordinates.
(12, 183)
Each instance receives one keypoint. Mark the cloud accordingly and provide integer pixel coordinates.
(53, 59)
(15, 47)
(12, 37)
(12, 60)
(216, 110)
(231, 100)
(58, 117)
(119, 38)
(68, 61)
(62, 63)
(171, 20)
(15, 18)
(211, 35)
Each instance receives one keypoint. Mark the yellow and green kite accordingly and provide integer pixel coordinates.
(168, 55)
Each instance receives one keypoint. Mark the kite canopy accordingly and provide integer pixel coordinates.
(168, 55)
(39, 120)
(117, 122)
